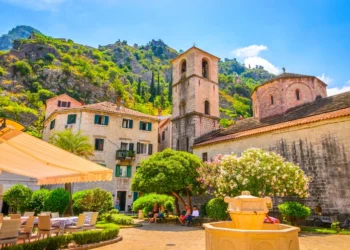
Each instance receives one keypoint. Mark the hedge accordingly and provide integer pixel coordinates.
(62, 241)
(217, 209)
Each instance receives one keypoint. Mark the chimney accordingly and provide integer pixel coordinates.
(284, 70)
(159, 112)
(118, 102)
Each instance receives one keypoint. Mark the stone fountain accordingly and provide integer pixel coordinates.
(247, 230)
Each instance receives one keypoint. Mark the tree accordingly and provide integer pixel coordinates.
(37, 200)
(147, 202)
(77, 144)
(170, 89)
(139, 87)
(260, 172)
(143, 93)
(169, 172)
(152, 89)
(57, 201)
(94, 200)
(158, 85)
(18, 197)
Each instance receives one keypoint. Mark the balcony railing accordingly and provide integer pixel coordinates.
(123, 154)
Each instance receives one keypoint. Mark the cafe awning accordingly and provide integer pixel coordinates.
(23, 154)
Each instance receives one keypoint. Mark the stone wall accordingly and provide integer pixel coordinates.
(322, 150)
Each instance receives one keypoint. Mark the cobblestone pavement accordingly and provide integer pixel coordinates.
(175, 237)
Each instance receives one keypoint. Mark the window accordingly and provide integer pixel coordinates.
(271, 100)
(206, 108)
(205, 68)
(101, 120)
(52, 124)
(187, 144)
(127, 123)
(122, 171)
(158, 138)
(63, 104)
(177, 145)
(147, 126)
(150, 149)
(183, 67)
(163, 135)
(142, 148)
(205, 157)
(124, 146)
(99, 144)
(297, 93)
(71, 119)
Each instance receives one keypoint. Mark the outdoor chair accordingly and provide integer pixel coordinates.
(28, 214)
(15, 216)
(27, 231)
(55, 215)
(45, 227)
(77, 227)
(45, 213)
(9, 232)
(93, 221)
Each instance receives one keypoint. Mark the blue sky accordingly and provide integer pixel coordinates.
(308, 37)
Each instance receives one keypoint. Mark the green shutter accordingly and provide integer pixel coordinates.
(150, 149)
(74, 119)
(140, 125)
(128, 171)
(131, 146)
(96, 119)
(106, 120)
(52, 124)
(138, 148)
(117, 170)
(131, 123)
(136, 195)
(149, 126)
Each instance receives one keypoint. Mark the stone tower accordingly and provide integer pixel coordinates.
(195, 97)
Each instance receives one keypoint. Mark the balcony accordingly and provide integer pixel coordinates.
(123, 154)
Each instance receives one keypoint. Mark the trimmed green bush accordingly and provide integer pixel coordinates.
(37, 200)
(113, 217)
(293, 211)
(18, 197)
(96, 200)
(57, 201)
(217, 209)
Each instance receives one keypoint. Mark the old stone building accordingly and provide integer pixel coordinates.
(294, 117)
(164, 133)
(122, 138)
(195, 97)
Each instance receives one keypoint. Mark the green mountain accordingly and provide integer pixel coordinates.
(20, 32)
(41, 67)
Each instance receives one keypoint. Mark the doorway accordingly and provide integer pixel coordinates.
(122, 199)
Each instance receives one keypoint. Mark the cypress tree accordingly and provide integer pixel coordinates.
(170, 89)
(143, 92)
(139, 87)
(158, 87)
(153, 89)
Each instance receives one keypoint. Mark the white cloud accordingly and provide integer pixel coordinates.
(37, 4)
(325, 79)
(250, 51)
(250, 57)
(339, 90)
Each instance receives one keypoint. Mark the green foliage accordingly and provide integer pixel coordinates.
(57, 201)
(2, 71)
(22, 67)
(147, 201)
(217, 209)
(75, 143)
(18, 197)
(293, 211)
(50, 57)
(37, 200)
(225, 123)
(336, 226)
(45, 94)
(95, 200)
(89, 237)
(113, 217)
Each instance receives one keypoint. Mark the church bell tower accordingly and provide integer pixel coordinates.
(195, 97)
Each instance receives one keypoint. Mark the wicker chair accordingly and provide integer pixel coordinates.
(27, 231)
(45, 227)
(45, 213)
(15, 216)
(9, 232)
(93, 221)
(55, 215)
(28, 214)
(78, 227)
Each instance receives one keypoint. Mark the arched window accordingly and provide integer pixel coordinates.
(183, 67)
(271, 99)
(297, 94)
(182, 107)
(205, 68)
(206, 108)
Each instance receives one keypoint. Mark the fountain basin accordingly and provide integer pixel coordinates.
(225, 236)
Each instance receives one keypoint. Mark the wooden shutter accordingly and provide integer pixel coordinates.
(68, 105)
(96, 119)
(117, 170)
(136, 195)
(149, 126)
(128, 171)
(59, 104)
(74, 119)
(131, 123)
(138, 147)
(141, 125)
(106, 120)
(131, 146)
(150, 149)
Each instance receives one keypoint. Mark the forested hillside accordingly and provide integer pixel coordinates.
(41, 67)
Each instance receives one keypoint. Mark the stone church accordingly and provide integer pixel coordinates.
(292, 116)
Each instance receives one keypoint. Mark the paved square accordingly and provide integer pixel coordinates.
(176, 237)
